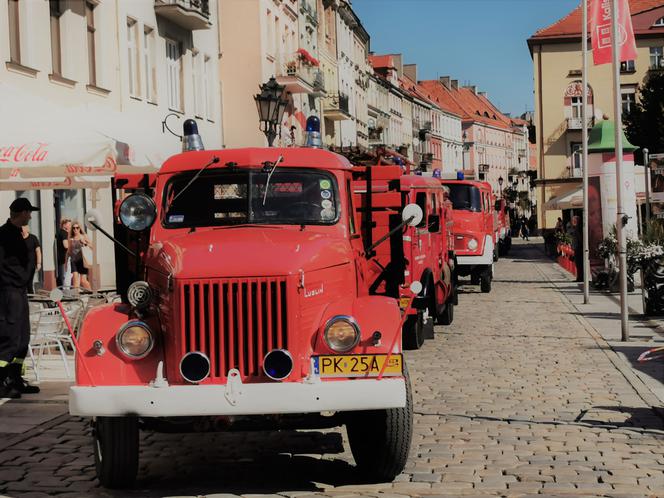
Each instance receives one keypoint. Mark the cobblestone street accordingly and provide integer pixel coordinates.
(518, 397)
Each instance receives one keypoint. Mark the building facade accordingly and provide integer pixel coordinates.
(119, 68)
(559, 94)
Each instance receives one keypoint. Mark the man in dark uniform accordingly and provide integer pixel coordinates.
(14, 311)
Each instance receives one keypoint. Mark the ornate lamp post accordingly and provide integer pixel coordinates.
(271, 104)
(500, 184)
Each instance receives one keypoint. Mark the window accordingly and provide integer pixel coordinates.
(14, 33)
(628, 98)
(656, 57)
(196, 83)
(56, 45)
(659, 22)
(174, 74)
(132, 58)
(627, 66)
(150, 89)
(577, 106)
(576, 150)
(92, 57)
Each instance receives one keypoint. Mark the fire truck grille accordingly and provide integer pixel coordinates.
(235, 322)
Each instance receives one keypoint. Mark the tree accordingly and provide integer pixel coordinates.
(645, 121)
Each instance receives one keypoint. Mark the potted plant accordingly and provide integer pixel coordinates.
(651, 263)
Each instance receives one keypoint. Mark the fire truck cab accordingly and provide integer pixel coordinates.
(474, 230)
(250, 307)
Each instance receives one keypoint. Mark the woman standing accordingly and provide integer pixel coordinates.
(75, 243)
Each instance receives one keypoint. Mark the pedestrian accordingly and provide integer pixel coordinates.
(76, 244)
(559, 225)
(34, 256)
(61, 250)
(525, 232)
(14, 310)
(577, 246)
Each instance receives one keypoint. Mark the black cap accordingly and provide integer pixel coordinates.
(22, 204)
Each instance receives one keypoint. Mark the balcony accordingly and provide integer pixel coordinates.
(319, 82)
(190, 14)
(336, 107)
(577, 123)
(299, 74)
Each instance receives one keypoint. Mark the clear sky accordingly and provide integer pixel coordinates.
(478, 42)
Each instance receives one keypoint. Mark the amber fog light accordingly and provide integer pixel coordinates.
(135, 340)
(278, 364)
(342, 333)
(195, 367)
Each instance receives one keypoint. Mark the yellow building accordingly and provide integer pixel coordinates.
(556, 53)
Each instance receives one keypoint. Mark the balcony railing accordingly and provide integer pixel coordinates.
(577, 123)
(336, 107)
(299, 75)
(190, 14)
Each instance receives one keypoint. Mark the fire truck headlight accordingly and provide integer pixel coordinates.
(138, 212)
(342, 333)
(135, 340)
(472, 244)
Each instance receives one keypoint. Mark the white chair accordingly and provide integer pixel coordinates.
(50, 332)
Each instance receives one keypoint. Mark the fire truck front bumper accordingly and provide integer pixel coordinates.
(238, 399)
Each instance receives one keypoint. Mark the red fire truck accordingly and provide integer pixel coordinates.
(503, 228)
(474, 230)
(422, 253)
(251, 306)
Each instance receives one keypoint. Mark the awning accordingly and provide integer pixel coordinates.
(570, 200)
(45, 141)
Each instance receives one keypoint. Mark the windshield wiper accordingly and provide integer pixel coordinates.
(269, 175)
(245, 225)
(214, 160)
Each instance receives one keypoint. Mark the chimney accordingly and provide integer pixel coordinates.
(455, 84)
(445, 80)
(398, 63)
(482, 94)
(410, 70)
(472, 88)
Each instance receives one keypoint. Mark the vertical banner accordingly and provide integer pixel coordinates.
(600, 31)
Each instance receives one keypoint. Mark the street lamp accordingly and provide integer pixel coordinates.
(271, 105)
(500, 184)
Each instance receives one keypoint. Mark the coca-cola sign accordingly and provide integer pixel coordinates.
(35, 152)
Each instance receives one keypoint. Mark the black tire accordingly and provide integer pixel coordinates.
(495, 253)
(485, 283)
(115, 447)
(447, 316)
(474, 279)
(413, 332)
(380, 439)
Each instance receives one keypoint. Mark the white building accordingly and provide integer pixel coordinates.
(118, 67)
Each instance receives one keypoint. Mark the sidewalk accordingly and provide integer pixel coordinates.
(602, 314)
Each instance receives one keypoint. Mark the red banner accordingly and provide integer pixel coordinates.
(600, 31)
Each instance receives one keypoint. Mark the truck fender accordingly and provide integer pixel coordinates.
(108, 366)
(372, 314)
(422, 300)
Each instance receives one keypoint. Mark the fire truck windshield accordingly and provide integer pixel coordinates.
(238, 196)
(465, 197)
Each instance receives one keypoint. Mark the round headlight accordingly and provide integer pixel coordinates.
(139, 294)
(138, 212)
(472, 244)
(342, 333)
(135, 340)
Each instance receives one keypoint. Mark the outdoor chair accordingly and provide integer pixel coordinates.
(49, 332)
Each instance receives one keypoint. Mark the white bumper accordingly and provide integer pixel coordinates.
(239, 399)
(486, 258)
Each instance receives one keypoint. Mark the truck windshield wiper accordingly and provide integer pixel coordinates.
(269, 175)
(214, 160)
(245, 225)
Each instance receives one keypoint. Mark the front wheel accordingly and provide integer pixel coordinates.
(447, 316)
(413, 331)
(380, 439)
(116, 446)
(485, 282)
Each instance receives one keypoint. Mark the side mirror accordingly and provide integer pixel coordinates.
(434, 223)
(93, 216)
(412, 215)
(416, 287)
(138, 212)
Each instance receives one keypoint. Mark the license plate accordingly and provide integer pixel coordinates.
(357, 365)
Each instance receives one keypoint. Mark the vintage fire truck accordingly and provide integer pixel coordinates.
(247, 303)
(422, 253)
(474, 230)
(503, 227)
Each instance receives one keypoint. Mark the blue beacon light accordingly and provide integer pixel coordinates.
(460, 175)
(313, 138)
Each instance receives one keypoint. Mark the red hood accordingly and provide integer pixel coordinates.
(249, 251)
(468, 222)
